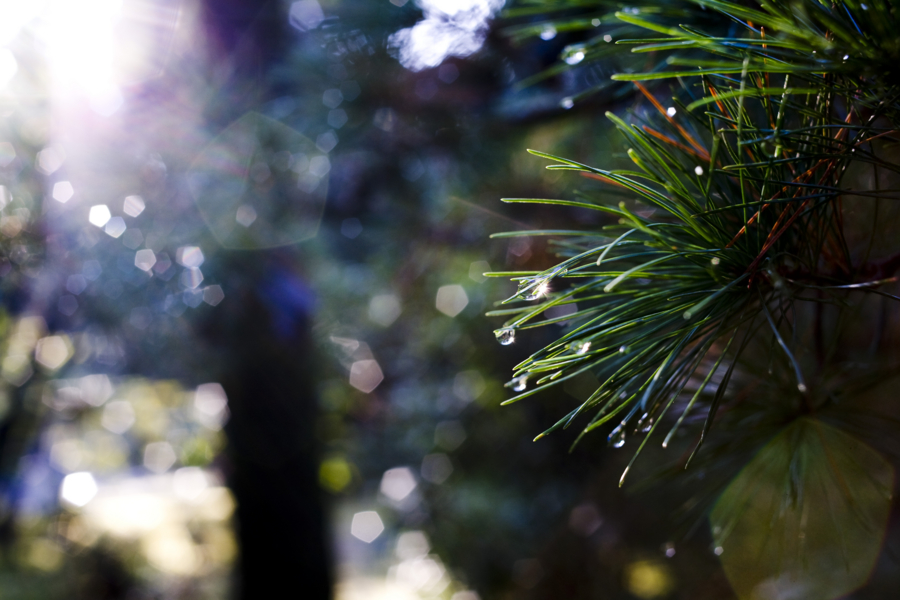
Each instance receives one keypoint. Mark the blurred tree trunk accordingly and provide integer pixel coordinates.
(265, 352)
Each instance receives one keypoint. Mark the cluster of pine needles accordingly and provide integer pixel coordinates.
(735, 209)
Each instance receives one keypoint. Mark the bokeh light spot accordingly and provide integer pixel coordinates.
(63, 191)
(450, 28)
(141, 317)
(191, 278)
(211, 405)
(52, 352)
(351, 228)
(7, 154)
(412, 545)
(228, 175)
(245, 215)
(306, 15)
(67, 304)
(133, 206)
(50, 159)
(115, 227)
(436, 468)
(189, 256)
(468, 385)
(648, 579)
(478, 269)
(144, 259)
(213, 295)
(337, 118)
(118, 416)
(366, 526)
(451, 300)
(189, 482)
(99, 215)
(384, 309)
(76, 284)
(365, 375)
(159, 456)
(449, 435)
(398, 483)
(91, 269)
(335, 474)
(326, 143)
(584, 519)
(78, 489)
(806, 517)
(332, 98)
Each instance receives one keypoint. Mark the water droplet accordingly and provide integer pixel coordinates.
(583, 347)
(575, 57)
(616, 438)
(548, 33)
(670, 550)
(537, 291)
(846, 56)
(518, 384)
(567, 103)
(645, 423)
(802, 388)
(595, 22)
(719, 550)
(671, 111)
(623, 349)
(715, 261)
(698, 170)
(607, 38)
(505, 335)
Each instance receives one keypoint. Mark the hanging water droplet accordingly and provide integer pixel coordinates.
(616, 438)
(698, 170)
(802, 388)
(537, 291)
(575, 57)
(645, 423)
(671, 111)
(567, 103)
(670, 549)
(623, 349)
(583, 347)
(518, 384)
(505, 335)
(548, 33)
(719, 550)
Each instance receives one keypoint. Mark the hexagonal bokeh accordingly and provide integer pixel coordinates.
(806, 517)
(260, 184)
